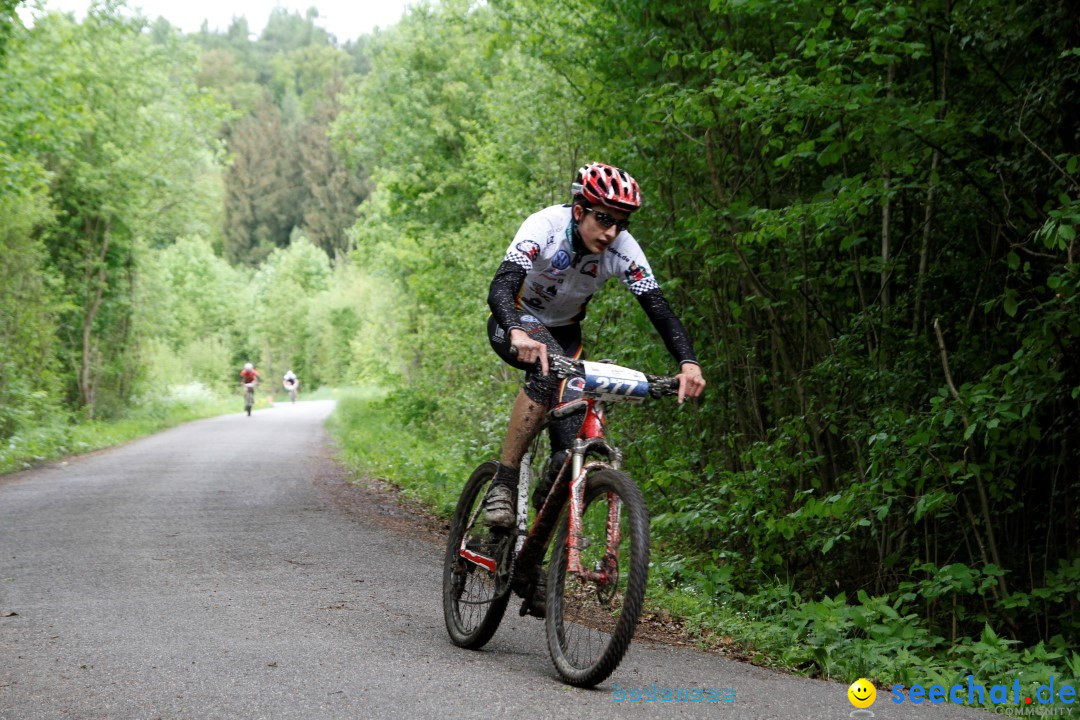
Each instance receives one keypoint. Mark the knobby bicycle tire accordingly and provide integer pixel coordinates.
(589, 625)
(474, 600)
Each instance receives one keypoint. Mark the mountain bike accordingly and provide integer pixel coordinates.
(594, 587)
(291, 388)
(249, 397)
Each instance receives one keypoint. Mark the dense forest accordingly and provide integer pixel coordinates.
(865, 212)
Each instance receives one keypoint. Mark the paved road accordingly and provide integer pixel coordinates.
(224, 569)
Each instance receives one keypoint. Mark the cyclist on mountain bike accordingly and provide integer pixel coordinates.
(249, 374)
(249, 378)
(559, 258)
(291, 384)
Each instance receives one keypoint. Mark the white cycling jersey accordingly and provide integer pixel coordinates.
(560, 282)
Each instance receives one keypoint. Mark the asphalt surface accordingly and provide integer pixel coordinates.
(226, 569)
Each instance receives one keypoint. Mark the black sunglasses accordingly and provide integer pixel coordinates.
(607, 221)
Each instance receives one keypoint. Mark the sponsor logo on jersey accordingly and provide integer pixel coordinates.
(591, 268)
(528, 248)
(611, 249)
(548, 293)
(635, 273)
(561, 261)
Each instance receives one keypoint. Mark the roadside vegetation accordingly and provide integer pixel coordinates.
(64, 436)
(866, 213)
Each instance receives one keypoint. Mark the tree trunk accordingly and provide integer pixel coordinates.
(886, 213)
(935, 161)
(96, 277)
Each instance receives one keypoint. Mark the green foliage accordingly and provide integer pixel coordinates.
(56, 437)
(125, 148)
(283, 174)
(29, 381)
(388, 437)
(866, 216)
(7, 23)
(111, 187)
(191, 319)
(356, 335)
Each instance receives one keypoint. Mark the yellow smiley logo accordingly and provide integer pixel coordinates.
(862, 693)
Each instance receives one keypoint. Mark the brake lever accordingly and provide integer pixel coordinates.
(559, 365)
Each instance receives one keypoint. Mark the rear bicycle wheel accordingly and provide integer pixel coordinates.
(477, 567)
(592, 617)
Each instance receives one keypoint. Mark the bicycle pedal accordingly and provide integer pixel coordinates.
(535, 607)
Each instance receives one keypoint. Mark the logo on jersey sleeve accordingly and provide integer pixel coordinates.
(528, 248)
(636, 273)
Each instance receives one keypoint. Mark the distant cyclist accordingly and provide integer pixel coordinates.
(249, 377)
(291, 384)
(560, 256)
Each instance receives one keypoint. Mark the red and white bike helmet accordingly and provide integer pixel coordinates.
(607, 185)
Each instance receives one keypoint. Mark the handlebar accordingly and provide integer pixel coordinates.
(564, 367)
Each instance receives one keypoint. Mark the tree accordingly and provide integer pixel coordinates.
(333, 191)
(285, 287)
(195, 312)
(822, 183)
(127, 150)
(262, 186)
(8, 18)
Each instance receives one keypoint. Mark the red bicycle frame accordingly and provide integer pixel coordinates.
(530, 547)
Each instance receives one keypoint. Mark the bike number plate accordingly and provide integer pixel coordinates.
(612, 382)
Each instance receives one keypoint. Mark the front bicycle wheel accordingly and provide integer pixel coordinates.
(477, 567)
(591, 616)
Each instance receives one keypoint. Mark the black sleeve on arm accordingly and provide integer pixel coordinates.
(668, 325)
(502, 296)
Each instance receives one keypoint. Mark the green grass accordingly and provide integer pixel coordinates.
(374, 439)
(66, 436)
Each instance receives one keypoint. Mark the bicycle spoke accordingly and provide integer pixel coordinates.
(475, 598)
(592, 615)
